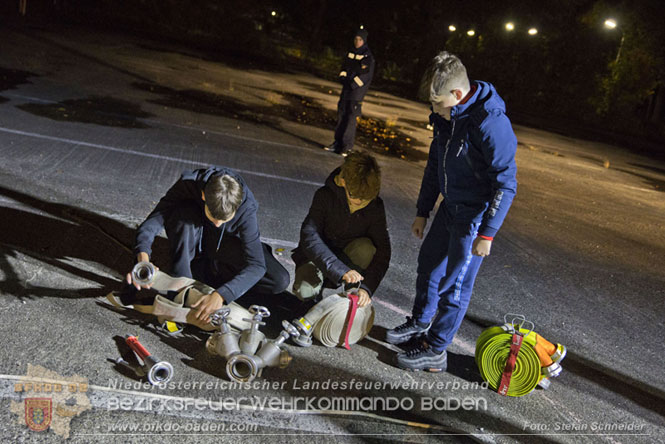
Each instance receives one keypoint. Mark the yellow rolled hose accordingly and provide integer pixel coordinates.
(492, 350)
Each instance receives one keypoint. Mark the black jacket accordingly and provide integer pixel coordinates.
(330, 226)
(356, 73)
(244, 225)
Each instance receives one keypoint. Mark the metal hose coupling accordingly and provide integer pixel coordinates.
(158, 372)
(143, 273)
(244, 368)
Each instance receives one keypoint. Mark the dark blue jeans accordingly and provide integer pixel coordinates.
(446, 273)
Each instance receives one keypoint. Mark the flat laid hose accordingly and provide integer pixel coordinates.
(189, 291)
(533, 361)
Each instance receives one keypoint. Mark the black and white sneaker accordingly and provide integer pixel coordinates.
(331, 147)
(405, 332)
(422, 357)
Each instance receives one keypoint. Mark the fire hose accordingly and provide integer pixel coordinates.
(189, 291)
(333, 322)
(515, 360)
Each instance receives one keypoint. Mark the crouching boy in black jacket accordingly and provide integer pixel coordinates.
(344, 237)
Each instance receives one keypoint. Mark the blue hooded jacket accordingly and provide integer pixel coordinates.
(472, 162)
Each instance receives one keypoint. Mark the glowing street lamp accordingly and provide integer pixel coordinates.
(612, 24)
(273, 13)
(471, 33)
(452, 28)
(510, 26)
(532, 31)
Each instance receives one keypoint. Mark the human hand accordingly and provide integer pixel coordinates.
(418, 226)
(352, 277)
(207, 305)
(141, 257)
(363, 298)
(481, 247)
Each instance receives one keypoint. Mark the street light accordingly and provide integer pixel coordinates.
(471, 33)
(452, 28)
(612, 24)
(510, 26)
(533, 31)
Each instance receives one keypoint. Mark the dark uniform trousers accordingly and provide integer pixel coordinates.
(345, 132)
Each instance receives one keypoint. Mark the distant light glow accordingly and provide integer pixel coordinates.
(510, 26)
(274, 13)
(471, 33)
(452, 28)
(533, 31)
(610, 23)
(362, 27)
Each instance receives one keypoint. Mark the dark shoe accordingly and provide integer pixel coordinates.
(422, 357)
(332, 147)
(403, 333)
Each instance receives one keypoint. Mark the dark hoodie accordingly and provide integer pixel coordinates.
(244, 225)
(472, 162)
(330, 226)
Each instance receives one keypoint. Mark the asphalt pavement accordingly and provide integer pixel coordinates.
(95, 127)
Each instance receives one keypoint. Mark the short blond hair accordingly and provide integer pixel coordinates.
(445, 73)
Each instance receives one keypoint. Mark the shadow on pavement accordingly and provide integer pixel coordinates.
(54, 233)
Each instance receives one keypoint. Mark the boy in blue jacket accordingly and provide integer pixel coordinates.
(210, 220)
(472, 165)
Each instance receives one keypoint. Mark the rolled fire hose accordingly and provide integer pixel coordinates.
(327, 321)
(189, 292)
(534, 359)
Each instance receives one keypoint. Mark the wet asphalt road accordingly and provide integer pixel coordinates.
(94, 128)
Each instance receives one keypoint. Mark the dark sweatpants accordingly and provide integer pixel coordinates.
(211, 267)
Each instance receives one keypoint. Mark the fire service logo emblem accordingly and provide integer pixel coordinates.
(38, 413)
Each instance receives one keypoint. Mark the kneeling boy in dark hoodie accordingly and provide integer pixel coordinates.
(344, 238)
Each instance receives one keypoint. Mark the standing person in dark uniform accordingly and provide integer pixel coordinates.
(355, 76)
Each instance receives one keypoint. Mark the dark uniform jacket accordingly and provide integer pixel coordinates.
(330, 226)
(356, 74)
(244, 225)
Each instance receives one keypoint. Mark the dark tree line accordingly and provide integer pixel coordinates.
(568, 72)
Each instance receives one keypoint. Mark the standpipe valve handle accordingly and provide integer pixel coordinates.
(251, 338)
(223, 342)
(158, 372)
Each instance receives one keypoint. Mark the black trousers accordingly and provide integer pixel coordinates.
(345, 132)
(185, 226)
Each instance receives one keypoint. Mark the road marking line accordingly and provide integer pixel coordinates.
(150, 155)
